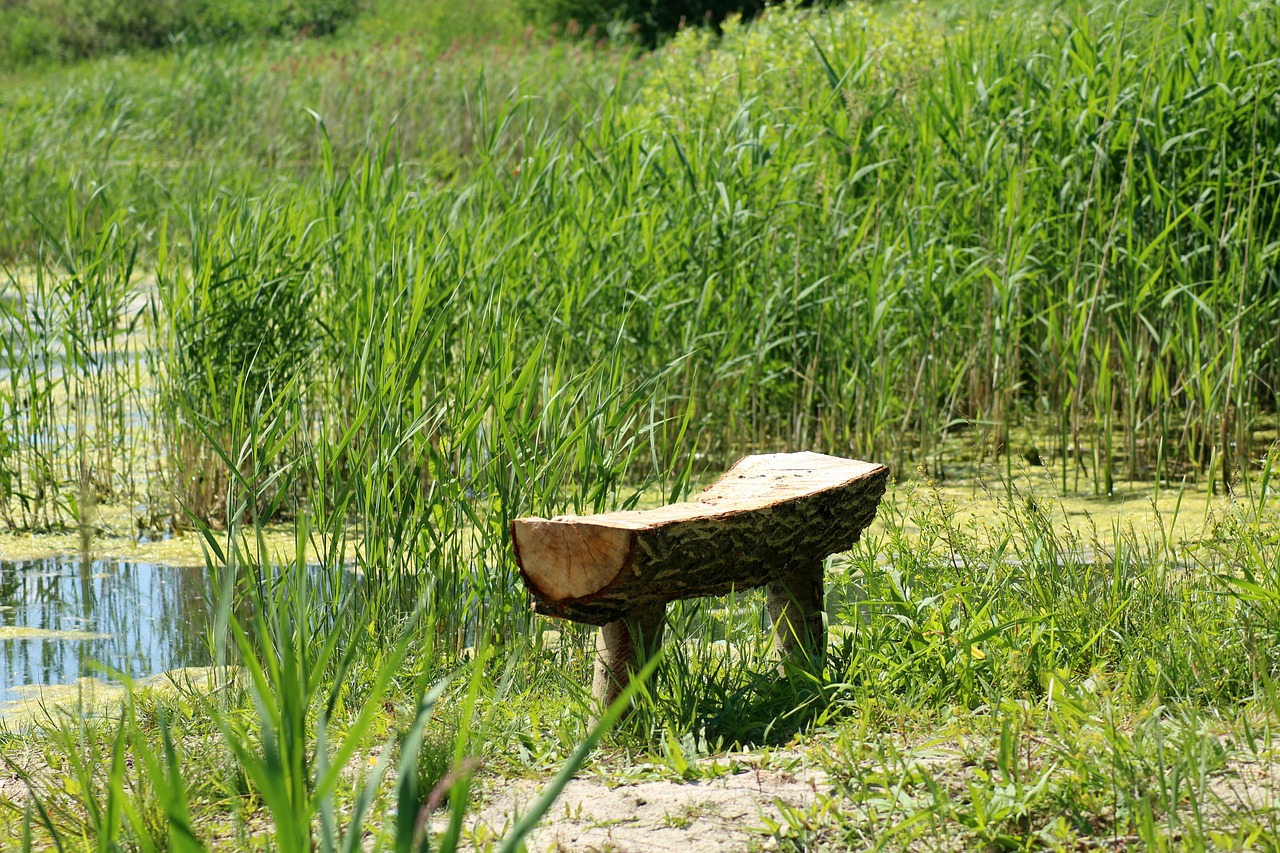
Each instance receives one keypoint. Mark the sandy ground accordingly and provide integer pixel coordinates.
(729, 812)
(595, 815)
(649, 809)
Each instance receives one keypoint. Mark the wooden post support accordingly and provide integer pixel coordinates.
(770, 521)
(622, 647)
(795, 605)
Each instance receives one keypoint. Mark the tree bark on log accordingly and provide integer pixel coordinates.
(622, 647)
(796, 608)
(766, 519)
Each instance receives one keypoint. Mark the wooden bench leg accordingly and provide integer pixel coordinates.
(622, 648)
(795, 603)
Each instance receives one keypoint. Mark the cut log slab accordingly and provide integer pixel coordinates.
(767, 516)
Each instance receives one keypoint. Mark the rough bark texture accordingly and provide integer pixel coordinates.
(766, 519)
(622, 647)
(796, 609)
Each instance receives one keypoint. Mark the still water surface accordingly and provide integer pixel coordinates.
(63, 619)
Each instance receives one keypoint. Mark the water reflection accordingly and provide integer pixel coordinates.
(138, 618)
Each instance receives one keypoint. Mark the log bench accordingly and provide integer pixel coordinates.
(770, 521)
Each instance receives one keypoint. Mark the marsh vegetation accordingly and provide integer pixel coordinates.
(335, 310)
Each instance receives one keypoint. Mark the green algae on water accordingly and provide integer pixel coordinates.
(14, 632)
(88, 696)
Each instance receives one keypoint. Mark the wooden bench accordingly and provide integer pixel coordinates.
(770, 521)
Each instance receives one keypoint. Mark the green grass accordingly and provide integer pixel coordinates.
(41, 34)
(391, 294)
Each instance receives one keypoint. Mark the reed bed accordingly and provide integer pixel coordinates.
(1056, 225)
(392, 300)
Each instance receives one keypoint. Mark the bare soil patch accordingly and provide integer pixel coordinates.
(652, 815)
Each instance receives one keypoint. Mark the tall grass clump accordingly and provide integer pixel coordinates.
(864, 231)
(152, 133)
(239, 328)
(145, 159)
(355, 641)
(1017, 215)
(72, 362)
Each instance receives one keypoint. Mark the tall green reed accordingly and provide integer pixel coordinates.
(72, 366)
(1050, 222)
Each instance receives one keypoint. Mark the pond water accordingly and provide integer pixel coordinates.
(61, 620)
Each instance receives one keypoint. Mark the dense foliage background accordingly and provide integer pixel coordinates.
(647, 19)
(66, 30)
